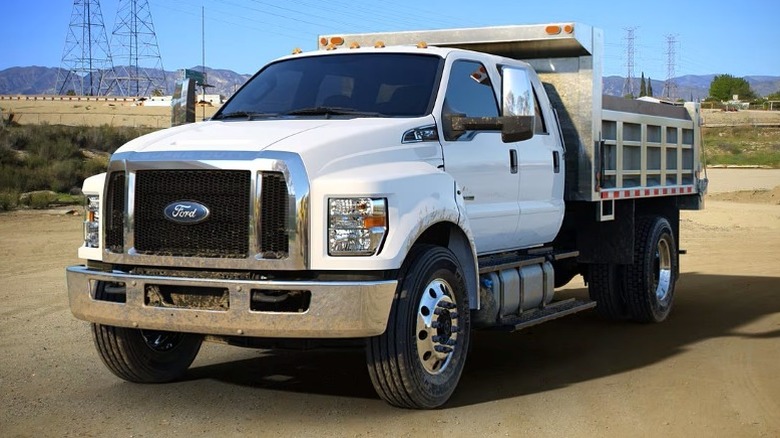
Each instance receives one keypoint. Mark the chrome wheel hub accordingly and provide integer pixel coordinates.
(437, 326)
(663, 270)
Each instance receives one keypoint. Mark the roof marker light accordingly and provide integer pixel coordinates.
(297, 50)
(553, 29)
(337, 41)
(569, 28)
(379, 45)
(422, 45)
(323, 41)
(354, 45)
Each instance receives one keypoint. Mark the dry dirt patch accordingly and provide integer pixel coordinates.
(710, 370)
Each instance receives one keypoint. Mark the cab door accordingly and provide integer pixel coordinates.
(484, 167)
(540, 170)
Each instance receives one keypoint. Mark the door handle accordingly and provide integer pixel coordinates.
(512, 161)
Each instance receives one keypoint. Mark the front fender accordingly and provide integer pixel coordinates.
(418, 196)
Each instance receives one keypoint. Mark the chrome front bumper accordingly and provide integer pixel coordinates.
(336, 310)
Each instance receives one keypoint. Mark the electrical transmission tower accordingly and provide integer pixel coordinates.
(134, 41)
(670, 88)
(86, 68)
(628, 86)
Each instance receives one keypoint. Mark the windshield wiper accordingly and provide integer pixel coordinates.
(243, 115)
(329, 111)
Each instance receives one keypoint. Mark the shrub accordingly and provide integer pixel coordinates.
(38, 200)
(9, 201)
(49, 157)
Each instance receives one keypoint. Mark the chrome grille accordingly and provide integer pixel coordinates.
(274, 210)
(115, 213)
(225, 234)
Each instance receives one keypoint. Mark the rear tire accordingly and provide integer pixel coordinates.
(144, 356)
(649, 282)
(605, 287)
(418, 361)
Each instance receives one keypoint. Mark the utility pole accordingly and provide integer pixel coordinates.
(86, 66)
(628, 85)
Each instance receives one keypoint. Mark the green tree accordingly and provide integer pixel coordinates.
(649, 87)
(724, 87)
(642, 86)
(70, 93)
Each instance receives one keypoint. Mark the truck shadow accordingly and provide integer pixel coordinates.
(553, 355)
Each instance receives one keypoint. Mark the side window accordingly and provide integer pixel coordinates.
(469, 91)
(541, 126)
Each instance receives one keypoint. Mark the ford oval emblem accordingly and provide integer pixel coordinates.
(186, 212)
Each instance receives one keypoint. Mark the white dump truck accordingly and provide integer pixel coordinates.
(396, 191)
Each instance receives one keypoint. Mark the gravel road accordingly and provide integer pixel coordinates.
(709, 370)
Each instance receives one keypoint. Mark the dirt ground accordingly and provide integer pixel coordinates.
(709, 370)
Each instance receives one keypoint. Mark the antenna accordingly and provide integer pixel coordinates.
(86, 64)
(670, 88)
(628, 85)
(135, 47)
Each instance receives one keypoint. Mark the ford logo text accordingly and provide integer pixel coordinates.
(186, 212)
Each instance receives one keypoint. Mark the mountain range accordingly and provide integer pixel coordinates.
(41, 80)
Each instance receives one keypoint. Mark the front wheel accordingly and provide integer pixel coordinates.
(649, 282)
(143, 356)
(418, 361)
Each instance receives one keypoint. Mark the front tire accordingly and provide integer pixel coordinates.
(650, 281)
(144, 356)
(418, 361)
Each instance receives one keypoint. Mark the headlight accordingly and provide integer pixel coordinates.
(92, 222)
(356, 226)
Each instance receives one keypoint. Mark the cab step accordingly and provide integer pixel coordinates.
(548, 313)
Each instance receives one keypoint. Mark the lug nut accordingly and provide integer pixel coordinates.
(442, 349)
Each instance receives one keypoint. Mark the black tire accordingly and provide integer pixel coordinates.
(145, 356)
(605, 287)
(649, 282)
(418, 361)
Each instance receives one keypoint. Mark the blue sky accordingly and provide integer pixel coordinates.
(738, 38)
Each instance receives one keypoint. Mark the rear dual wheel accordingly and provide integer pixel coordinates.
(643, 291)
(650, 281)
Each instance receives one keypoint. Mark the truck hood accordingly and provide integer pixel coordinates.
(324, 145)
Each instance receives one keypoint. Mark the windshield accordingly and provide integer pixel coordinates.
(366, 84)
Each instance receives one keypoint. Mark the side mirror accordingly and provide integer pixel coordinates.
(183, 103)
(517, 121)
(513, 128)
(517, 105)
